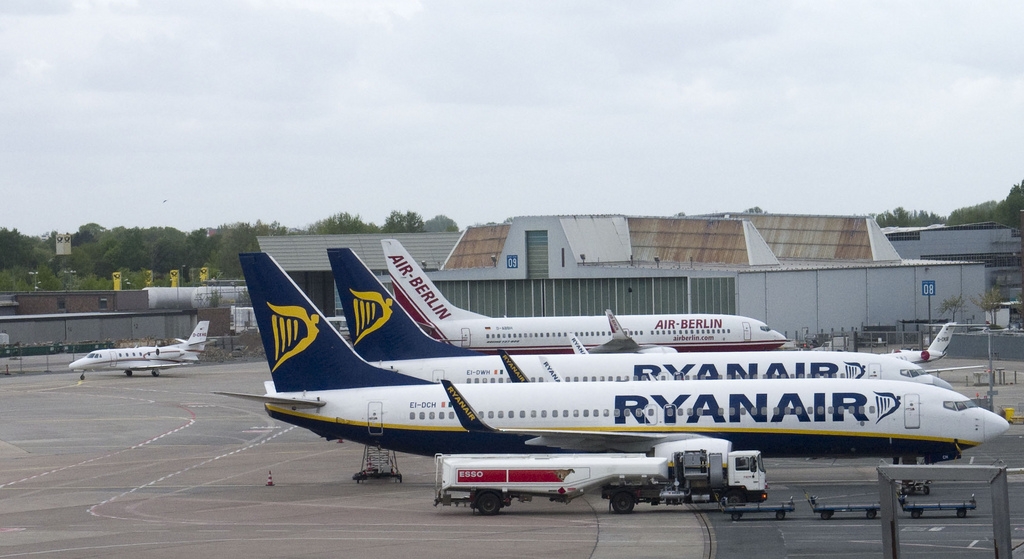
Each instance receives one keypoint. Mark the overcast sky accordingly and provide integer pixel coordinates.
(197, 113)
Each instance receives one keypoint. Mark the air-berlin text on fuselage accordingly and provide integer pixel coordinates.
(421, 287)
(841, 404)
(686, 323)
(812, 369)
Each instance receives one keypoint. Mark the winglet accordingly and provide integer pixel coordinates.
(467, 415)
(515, 374)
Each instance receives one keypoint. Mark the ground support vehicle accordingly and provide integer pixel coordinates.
(378, 463)
(487, 483)
(827, 510)
(917, 509)
(737, 510)
(913, 487)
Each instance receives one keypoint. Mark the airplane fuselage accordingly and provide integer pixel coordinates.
(682, 333)
(667, 366)
(813, 417)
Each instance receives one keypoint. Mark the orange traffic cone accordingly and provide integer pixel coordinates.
(270, 479)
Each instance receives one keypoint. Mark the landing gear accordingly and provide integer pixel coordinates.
(155, 372)
(128, 372)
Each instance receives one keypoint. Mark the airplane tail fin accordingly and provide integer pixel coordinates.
(416, 293)
(379, 330)
(304, 352)
(938, 346)
(197, 341)
(618, 332)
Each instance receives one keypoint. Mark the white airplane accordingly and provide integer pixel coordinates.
(153, 358)
(639, 333)
(384, 334)
(319, 383)
(936, 350)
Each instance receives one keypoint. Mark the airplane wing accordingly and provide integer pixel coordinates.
(293, 403)
(577, 440)
(935, 371)
(622, 342)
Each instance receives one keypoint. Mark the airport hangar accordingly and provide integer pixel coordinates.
(801, 274)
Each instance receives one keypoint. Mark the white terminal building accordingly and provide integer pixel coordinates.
(801, 274)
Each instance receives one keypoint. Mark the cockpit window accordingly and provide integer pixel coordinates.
(765, 328)
(959, 406)
(912, 372)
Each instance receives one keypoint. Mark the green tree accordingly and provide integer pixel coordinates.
(397, 222)
(241, 237)
(1008, 211)
(900, 217)
(16, 249)
(981, 213)
(342, 223)
(440, 223)
(989, 302)
(953, 305)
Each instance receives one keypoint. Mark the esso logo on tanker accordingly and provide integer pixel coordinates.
(488, 476)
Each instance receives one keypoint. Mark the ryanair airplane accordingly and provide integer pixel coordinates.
(382, 333)
(320, 384)
(551, 334)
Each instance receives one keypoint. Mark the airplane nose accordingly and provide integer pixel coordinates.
(942, 383)
(995, 426)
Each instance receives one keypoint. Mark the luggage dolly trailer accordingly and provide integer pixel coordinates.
(826, 511)
(737, 510)
(917, 509)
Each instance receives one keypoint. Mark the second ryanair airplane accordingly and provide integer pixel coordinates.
(552, 334)
(320, 384)
(384, 334)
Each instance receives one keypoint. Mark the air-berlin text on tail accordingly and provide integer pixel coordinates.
(421, 287)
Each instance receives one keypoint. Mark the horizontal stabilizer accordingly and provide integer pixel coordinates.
(293, 403)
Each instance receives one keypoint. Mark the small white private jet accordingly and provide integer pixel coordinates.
(935, 351)
(153, 358)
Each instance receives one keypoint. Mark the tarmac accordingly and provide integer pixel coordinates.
(164, 468)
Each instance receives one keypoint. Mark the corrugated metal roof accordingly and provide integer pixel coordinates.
(308, 253)
(687, 239)
(814, 237)
(477, 246)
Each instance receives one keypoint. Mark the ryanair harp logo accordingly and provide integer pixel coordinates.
(887, 403)
(293, 331)
(371, 311)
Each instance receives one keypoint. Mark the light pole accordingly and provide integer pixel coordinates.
(35, 280)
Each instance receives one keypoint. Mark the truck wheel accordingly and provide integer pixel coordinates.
(825, 515)
(734, 497)
(916, 513)
(737, 515)
(780, 514)
(488, 503)
(926, 490)
(961, 512)
(622, 502)
(872, 513)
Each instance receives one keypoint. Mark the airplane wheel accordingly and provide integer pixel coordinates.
(622, 503)
(156, 373)
(82, 377)
(128, 373)
(488, 503)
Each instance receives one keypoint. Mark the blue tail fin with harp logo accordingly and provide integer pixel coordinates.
(379, 328)
(304, 352)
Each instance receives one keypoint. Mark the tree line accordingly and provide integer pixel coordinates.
(31, 263)
(145, 256)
